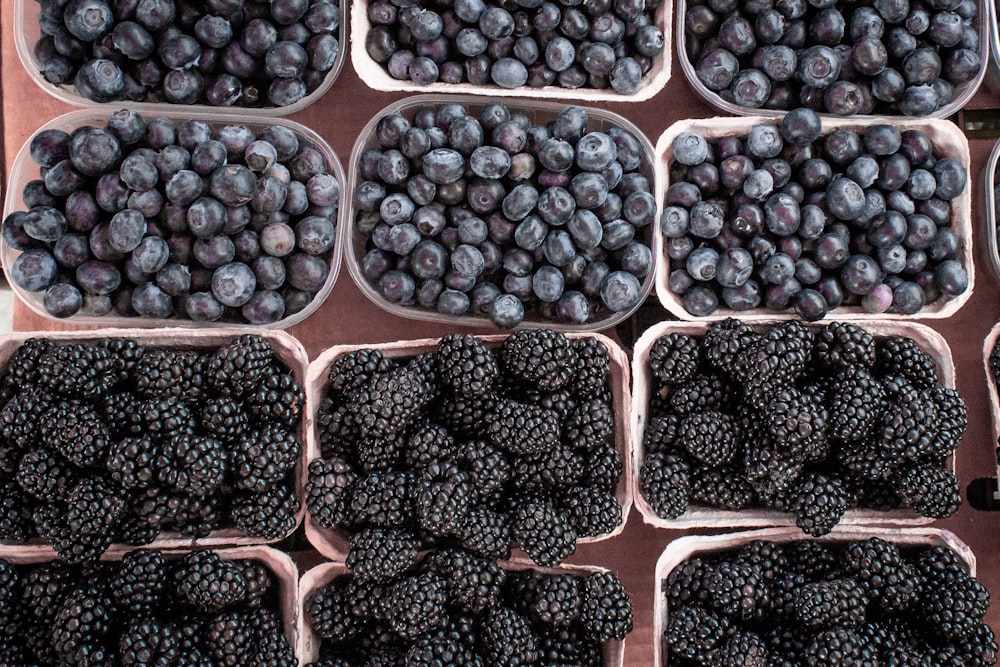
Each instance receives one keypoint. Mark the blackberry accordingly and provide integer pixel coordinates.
(339, 428)
(769, 556)
(171, 373)
(605, 607)
(709, 438)
(15, 513)
(43, 475)
(724, 344)
(238, 367)
(21, 417)
(857, 400)
(486, 533)
(147, 642)
(703, 392)
(228, 639)
(87, 527)
(126, 353)
(743, 649)
(688, 583)
(909, 424)
(664, 480)
(794, 420)
(472, 583)
(591, 424)
(518, 592)
(824, 604)
(738, 589)
(329, 610)
(593, 367)
(954, 612)
(561, 401)
(821, 502)
(674, 358)
(880, 496)
(273, 650)
(394, 399)
(661, 433)
(83, 616)
(693, 631)
(133, 529)
(466, 416)
(520, 428)
(10, 580)
(22, 369)
(942, 440)
(194, 464)
(840, 344)
(556, 601)
(979, 647)
(329, 491)
(568, 646)
(785, 588)
(167, 416)
(122, 414)
(263, 457)
(139, 584)
(375, 453)
(593, 511)
(773, 473)
(278, 399)
(428, 443)
(723, 488)
(270, 514)
(132, 462)
(209, 582)
(551, 471)
(77, 370)
(879, 566)
(838, 647)
(415, 605)
(258, 580)
(222, 418)
(382, 499)
(898, 355)
(931, 491)
(77, 432)
(442, 496)
(465, 365)
(381, 554)
(353, 370)
(773, 360)
(539, 357)
(937, 567)
(994, 361)
(602, 467)
(488, 468)
(507, 639)
(544, 531)
(435, 650)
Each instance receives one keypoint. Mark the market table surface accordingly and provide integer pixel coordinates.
(349, 317)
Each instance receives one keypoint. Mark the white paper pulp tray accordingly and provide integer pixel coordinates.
(690, 546)
(991, 383)
(287, 349)
(333, 543)
(708, 517)
(308, 650)
(24, 169)
(948, 141)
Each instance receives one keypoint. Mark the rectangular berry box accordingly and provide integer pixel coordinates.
(23, 170)
(991, 340)
(708, 517)
(961, 97)
(27, 32)
(333, 543)
(287, 349)
(993, 68)
(944, 135)
(317, 577)
(692, 545)
(378, 78)
(538, 112)
(280, 564)
(989, 219)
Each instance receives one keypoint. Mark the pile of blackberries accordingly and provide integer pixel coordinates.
(811, 422)
(116, 442)
(603, 44)
(219, 52)
(840, 57)
(154, 218)
(827, 604)
(149, 608)
(788, 218)
(496, 214)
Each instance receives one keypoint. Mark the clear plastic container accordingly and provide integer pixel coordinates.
(990, 183)
(993, 69)
(948, 141)
(991, 385)
(333, 543)
(24, 169)
(961, 97)
(308, 649)
(27, 34)
(698, 516)
(286, 348)
(377, 77)
(691, 546)
(538, 112)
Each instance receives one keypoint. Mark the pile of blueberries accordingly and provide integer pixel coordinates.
(790, 219)
(494, 214)
(836, 56)
(536, 43)
(218, 52)
(148, 217)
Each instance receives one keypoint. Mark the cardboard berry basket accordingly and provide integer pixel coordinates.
(948, 141)
(286, 348)
(377, 77)
(708, 517)
(989, 218)
(961, 97)
(308, 650)
(333, 543)
(540, 112)
(23, 170)
(27, 33)
(281, 566)
(991, 340)
(693, 545)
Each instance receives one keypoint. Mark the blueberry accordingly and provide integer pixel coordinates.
(49, 147)
(573, 308)
(734, 267)
(700, 301)
(860, 274)
(174, 279)
(126, 230)
(690, 149)
(277, 239)
(97, 277)
(717, 69)
(87, 20)
(586, 230)
(507, 311)
(547, 284)
(62, 300)
(819, 66)
(232, 184)
(34, 270)
(620, 291)
(206, 217)
(758, 185)
(233, 284)
(396, 287)
(782, 214)
(751, 88)
(44, 224)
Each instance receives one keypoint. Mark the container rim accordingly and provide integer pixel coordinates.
(364, 142)
(990, 207)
